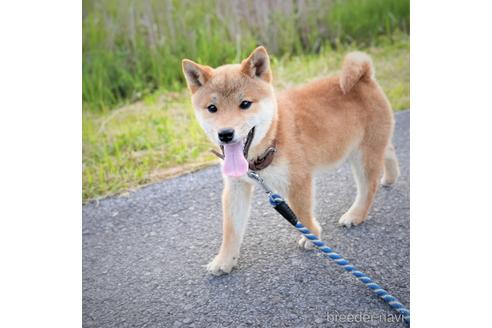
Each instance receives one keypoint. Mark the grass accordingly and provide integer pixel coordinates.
(132, 48)
(158, 136)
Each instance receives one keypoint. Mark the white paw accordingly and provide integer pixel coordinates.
(349, 219)
(305, 243)
(221, 265)
(387, 182)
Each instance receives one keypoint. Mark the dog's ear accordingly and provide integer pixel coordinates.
(257, 65)
(196, 75)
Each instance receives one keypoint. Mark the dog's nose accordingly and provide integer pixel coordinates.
(226, 135)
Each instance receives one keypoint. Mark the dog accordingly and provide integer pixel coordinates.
(309, 128)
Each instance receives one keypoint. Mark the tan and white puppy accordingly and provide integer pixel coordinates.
(315, 126)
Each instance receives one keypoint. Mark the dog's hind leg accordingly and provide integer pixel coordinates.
(236, 199)
(391, 167)
(301, 201)
(367, 165)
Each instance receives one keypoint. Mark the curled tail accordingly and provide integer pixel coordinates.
(356, 66)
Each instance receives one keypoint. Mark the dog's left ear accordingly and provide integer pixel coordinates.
(257, 65)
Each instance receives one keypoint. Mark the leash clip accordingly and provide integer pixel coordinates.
(274, 199)
(255, 176)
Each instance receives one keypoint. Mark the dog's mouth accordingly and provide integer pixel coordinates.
(235, 156)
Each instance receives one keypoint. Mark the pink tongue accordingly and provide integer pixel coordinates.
(235, 165)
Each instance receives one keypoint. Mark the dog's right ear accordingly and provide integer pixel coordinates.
(196, 75)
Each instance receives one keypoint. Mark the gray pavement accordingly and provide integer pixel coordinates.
(144, 257)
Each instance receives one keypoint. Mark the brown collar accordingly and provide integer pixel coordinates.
(260, 162)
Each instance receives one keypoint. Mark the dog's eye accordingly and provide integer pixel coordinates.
(245, 104)
(212, 108)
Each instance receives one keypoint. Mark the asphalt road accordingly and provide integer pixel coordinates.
(144, 257)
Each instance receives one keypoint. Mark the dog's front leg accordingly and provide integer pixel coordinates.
(236, 200)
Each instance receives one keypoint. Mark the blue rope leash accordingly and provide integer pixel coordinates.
(281, 206)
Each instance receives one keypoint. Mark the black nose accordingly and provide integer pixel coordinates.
(226, 135)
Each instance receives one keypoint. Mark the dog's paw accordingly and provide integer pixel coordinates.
(386, 182)
(316, 229)
(305, 243)
(221, 265)
(349, 219)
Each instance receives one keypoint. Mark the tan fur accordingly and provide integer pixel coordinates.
(316, 126)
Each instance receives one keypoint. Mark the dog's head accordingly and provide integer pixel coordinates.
(231, 100)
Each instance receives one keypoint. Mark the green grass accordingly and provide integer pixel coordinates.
(132, 48)
(158, 136)
(363, 21)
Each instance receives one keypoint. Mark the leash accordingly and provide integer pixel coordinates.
(283, 208)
